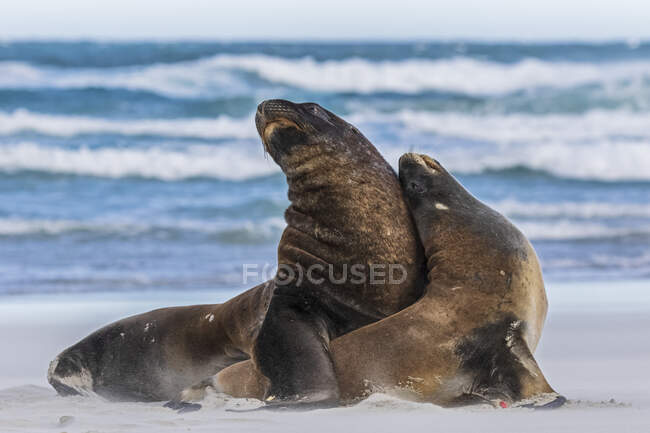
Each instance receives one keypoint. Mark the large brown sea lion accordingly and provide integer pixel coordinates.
(342, 228)
(348, 227)
(470, 337)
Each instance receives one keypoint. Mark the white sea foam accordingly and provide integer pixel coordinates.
(458, 74)
(269, 228)
(607, 161)
(213, 75)
(522, 128)
(604, 145)
(585, 210)
(240, 231)
(222, 162)
(599, 145)
(186, 79)
(512, 128)
(66, 126)
(601, 161)
(563, 229)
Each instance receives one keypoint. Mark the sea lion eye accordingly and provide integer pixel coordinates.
(415, 187)
(319, 112)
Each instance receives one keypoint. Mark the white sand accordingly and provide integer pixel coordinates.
(594, 348)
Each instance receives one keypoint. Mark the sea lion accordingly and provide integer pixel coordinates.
(348, 228)
(152, 356)
(342, 228)
(471, 337)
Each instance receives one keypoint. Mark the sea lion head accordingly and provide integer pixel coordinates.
(431, 193)
(295, 134)
(464, 239)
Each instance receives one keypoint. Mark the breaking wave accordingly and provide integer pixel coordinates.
(599, 145)
(604, 161)
(577, 230)
(223, 73)
(236, 233)
(256, 232)
(67, 126)
(522, 128)
(218, 162)
(460, 74)
(581, 210)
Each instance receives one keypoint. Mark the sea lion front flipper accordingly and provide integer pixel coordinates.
(292, 351)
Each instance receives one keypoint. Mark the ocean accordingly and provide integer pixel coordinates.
(137, 167)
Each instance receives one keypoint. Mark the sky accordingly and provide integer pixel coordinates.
(326, 19)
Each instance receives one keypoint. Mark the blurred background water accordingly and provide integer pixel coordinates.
(136, 166)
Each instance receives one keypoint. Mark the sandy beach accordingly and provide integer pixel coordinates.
(594, 351)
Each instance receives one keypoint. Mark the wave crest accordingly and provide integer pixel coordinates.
(460, 74)
(212, 75)
(561, 230)
(599, 145)
(603, 161)
(67, 126)
(242, 232)
(581, 210)
(522, 128)
(218, 162)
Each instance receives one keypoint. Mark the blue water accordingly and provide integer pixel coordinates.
(136, 166)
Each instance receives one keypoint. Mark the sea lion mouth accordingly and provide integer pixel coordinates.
(271, 127)
(278, 124)
(284, 113)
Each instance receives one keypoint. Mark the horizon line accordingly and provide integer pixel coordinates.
(324, 40)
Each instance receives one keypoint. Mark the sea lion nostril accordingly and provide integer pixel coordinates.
(260, 107)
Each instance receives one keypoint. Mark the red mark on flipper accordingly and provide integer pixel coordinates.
(503, 404)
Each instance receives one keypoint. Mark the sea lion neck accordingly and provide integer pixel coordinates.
(320, 176)
(302, 165)
(497, 250)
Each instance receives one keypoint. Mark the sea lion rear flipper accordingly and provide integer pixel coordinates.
(535, 391)
(503, 367)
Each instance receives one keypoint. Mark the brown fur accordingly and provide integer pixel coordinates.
(346, 207)
(153, 356)
(486, 301)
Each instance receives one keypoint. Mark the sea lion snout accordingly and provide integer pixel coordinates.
(415, 159)
(272, 110)
(421, 175)
(280, 125)
(409, 159)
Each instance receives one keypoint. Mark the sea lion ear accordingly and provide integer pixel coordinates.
(432, 163)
